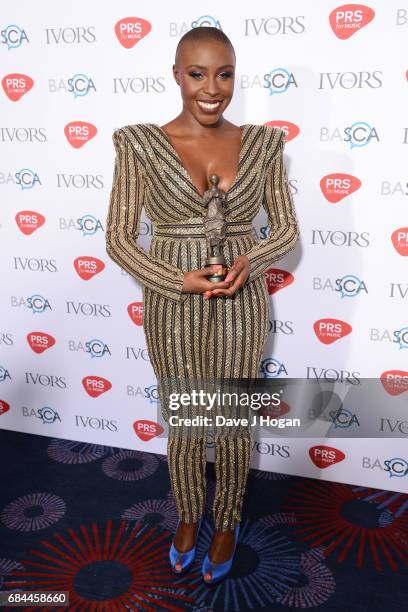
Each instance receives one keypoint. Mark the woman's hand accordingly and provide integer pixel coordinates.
(195, 281)
(236, 277)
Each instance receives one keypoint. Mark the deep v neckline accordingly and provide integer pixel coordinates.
(187, 173)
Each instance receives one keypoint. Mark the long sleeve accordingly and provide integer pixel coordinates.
(123, 225)
(278, 203)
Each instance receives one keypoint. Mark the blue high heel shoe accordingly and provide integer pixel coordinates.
(185, 559)
(219, 570)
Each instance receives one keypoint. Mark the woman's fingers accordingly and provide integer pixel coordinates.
(233, 287)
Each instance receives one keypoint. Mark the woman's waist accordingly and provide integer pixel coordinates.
(193, 227)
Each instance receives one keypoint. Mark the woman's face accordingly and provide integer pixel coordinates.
(205, 72)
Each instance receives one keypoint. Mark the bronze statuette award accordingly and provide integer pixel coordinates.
(214, 228)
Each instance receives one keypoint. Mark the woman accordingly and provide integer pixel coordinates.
(193, 326)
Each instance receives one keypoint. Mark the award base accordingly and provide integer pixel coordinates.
(217, 260)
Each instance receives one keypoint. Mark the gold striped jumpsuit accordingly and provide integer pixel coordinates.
(186, 335)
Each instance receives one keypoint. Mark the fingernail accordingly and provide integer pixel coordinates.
(228, 278)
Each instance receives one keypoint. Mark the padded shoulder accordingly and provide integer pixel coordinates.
(132, 134)
(274, 141)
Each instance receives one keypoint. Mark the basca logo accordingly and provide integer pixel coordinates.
(396, 467)
(331, 330)
(395, 382)
(46, 414)
(351, 80)
(272, 368)
(96, 385)
(88, 267)
(291, 129)
(399, 240)
(130, 30)
(178, 29)
(27, 179)
(28, 221)
(16, 85)
(96, 348)
(325, 456)
(348, 19)
(357, 135)
(274, 26)
(4, 407)
(146, 430)
(70, 36)
(135, 312)
(152, 394)
(347, 286)
(4, 374)
(398, 188)
(337, 186)
(277, 279)
(343, 418)
(38, 303)
(339, 238)
(40, 341)
(88, 225)
(79, 133)
(79, 85)
(397, 336)
(401, 337)
(13, 36)
(278, 80)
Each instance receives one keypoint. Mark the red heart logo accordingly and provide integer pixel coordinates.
(348, 19)
(87, 267)
(325, 456)
(337, 186)
(130, 30)
(28, 221)
(330, 330)
(79, 133)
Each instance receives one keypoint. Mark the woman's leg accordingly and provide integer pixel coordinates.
(187, 461)
(232, 456)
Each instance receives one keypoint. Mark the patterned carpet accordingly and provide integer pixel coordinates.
(97, 521)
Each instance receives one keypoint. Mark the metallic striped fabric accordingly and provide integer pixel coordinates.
(188, 337)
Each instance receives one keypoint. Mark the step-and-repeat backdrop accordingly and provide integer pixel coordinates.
(73, 357)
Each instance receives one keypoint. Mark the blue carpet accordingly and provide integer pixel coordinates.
(98, 521)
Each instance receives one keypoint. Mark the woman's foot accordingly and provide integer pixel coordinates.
(185, 539)
(221, 549)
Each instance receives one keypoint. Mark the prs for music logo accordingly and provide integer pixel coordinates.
(348, 19)
(130, 30)
(330, 330)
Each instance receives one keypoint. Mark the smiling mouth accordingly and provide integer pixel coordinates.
(209, 105)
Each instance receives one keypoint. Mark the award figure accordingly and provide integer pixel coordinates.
(214, 228)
